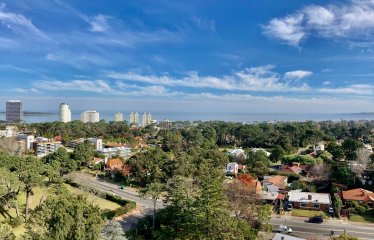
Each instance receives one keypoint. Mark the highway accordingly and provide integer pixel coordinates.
(299, 225)
(301, 228)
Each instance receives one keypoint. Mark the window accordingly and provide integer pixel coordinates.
(303, 205)
(316, 206)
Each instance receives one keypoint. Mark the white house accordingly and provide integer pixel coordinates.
(236, 152)
(232, 168)
(319, 147)
(309, 200)
(261, 149)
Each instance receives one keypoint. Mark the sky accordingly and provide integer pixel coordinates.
(205, 56)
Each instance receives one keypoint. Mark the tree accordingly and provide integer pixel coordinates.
(6, 232)
(277, 153)
(320, 171)
(258, 163)
(344, 237)
(10, 187)
(113, 231)
(29, 170)
(246, 204)
(336, 151)
(154, 191)
(350, 147)
(83, 153)
(62, 157)
(65, 216)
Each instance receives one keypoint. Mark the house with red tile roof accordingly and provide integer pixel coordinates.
(114, 164)
(360, 195)
(275, 183)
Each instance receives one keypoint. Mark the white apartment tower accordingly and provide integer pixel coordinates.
(65, 113)
(90, 116)
(146, 119)
(134, 118)
(118, 117)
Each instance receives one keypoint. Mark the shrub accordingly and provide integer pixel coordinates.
(125, 209)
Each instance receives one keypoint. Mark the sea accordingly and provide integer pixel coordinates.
(206, 116)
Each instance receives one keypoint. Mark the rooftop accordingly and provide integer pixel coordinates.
(309, 197)
(358, 194)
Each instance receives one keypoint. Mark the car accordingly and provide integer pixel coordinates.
(289, 207)
(283, 228)
(316, 219)
(331, 210)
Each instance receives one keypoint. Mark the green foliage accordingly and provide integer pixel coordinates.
(258, 163)
(113, 231)
(61, 160)
(65, 217)
(337, 204)
(6, 232)
(83, 154)
(344, 237)
(350, 147)
(128, 207)
(302, 159)
(277, 153)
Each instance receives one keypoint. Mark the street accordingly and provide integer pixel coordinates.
(301, 228)
(299, 225)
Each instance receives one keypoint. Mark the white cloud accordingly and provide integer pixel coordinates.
(288, 29)
(19, 24)
(97, 86)
(353, 20)
(78, 61)
(203, 23)
(99, 23)
(260, 78)
(326, 83)
(357, 89)
(298, 74)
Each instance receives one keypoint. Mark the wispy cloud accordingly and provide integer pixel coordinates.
(97, 86)
(352, 21)
(298, 74)
(80, 61)
(260, 78)
(99, 23)
(204, 24)
(357, 89)
(19, 24)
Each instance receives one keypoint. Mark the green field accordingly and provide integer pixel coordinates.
(307, 213)
(361, 218)
(103, 204)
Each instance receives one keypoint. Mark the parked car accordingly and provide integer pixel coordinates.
(284, 229)
(289, 207)
(316, 219)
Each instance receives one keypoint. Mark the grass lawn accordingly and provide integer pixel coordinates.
(307, 213)
(361, 218)
(100, 202)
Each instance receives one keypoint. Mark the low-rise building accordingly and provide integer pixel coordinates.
(271, 197)
(124, 152)
(232, 168)
(281, 236)
(114, 164)
(275, 183)
(28, 139)
(360, 195)
(9, 131)
(261, 149)
(46, 147)
(96, 142)
(309, 200)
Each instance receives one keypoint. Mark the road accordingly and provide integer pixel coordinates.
(145, 204)
(322, 231)
(299, 226)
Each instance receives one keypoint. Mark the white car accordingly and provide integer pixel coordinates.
(283, 228)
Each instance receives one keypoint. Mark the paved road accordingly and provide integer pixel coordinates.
(299, 226)
(145, 205)
(322, 231)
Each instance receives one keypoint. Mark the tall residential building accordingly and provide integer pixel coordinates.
(118, 117)
(134, 118)
(65, 113)
(14, 111)
(90, 116)
(146, 119)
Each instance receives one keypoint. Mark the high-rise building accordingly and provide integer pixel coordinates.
(90, 116)
(14, 111)
(134, 118)
(118, 117)
(146, 119)
(65, 113)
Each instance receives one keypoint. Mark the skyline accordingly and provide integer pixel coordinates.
(255, 56)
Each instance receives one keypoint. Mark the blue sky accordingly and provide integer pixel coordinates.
(214, 56)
